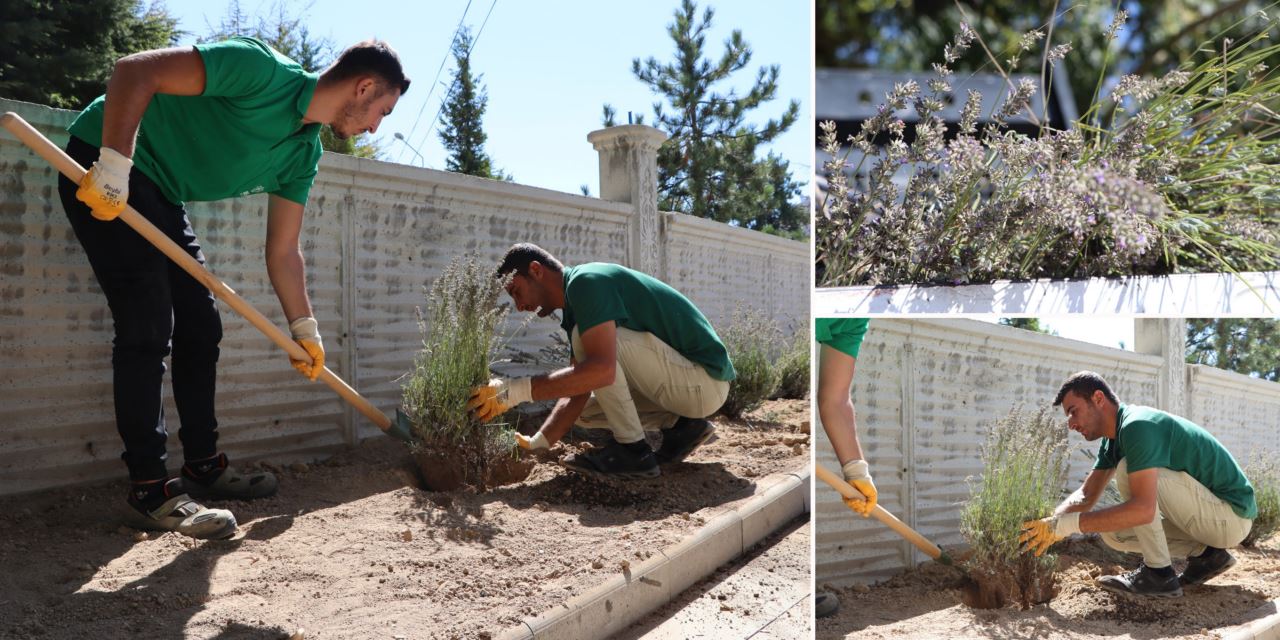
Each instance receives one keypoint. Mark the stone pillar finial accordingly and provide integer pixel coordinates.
(629, 174)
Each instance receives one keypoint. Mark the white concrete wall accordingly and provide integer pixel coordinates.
(925, 393)
(376, 234)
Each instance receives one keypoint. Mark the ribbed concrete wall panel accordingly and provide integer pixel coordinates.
(1242, 412)
(375, 235)
(720, 267)
(926, 392)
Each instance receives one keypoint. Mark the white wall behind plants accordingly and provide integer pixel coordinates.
(926, 391)
(375, 236)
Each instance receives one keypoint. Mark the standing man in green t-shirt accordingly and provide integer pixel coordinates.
(1184, 495)
(644, 359)
(841, 341)
(212, 121)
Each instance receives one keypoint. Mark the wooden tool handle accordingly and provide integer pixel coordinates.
(879, 513)
(68, 167)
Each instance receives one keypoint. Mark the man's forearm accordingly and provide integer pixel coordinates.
(1077, 502)
(579, 379)
(289, 279)
(563, 416)
(1117, 518)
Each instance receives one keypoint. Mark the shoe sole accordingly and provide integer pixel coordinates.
(1123, 591)
(1221, 570)
(707, 437)
(625, 475)
(136, 520)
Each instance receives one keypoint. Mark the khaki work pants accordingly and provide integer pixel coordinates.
(654, 385)
(1188, 517)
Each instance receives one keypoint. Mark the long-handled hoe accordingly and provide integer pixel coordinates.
(63, 163)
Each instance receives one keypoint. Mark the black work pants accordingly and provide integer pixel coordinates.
(157, 309)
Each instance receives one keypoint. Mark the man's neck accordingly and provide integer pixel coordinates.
(325, 103)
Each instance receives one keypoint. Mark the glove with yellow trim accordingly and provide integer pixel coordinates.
(1039, 535)
(858, 474)
(499, 396)
(306, 332)
(105, 188)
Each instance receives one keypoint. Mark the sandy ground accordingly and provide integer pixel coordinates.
(351, 548)
(766, 594)
(925, 603)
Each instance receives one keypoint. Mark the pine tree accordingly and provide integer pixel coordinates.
(62, 53)
(1245, 345)
(463, 133)
(709, 166)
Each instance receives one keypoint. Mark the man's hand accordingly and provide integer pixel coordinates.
(857, 473)
(306, 332)
(1039, 535)
(537, 443)
(491, 400)
(105, 188)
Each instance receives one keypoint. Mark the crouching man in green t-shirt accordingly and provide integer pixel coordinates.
(1184, 495)
(644, 358)
(213, 121)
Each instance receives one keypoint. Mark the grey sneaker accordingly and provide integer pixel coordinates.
(182, 514)
(825, 604)
(1143, 581)
(1207, 566)
(215, 479)
(682, 438)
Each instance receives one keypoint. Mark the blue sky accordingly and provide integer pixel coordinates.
(548, 68)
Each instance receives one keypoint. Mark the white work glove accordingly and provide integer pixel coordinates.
(306, 332)
(105, 188)
(537, 443)
(491, 400)
(858, 474)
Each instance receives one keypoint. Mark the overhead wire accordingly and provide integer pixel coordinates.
(445, 99)
(436, 81)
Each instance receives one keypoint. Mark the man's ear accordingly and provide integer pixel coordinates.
(365, 86)
(1099, 398)
(535, 270)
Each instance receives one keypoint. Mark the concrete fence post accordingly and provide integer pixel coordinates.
(629, 174)
(1166, 338)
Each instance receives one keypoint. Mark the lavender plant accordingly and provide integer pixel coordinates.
(751, 339)
(459, 341)
(1163, 175)
(1264, 474)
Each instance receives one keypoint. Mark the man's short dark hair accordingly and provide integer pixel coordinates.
(371, 57)
(519, 256)
(1084, 384)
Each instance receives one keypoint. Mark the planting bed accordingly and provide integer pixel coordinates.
(351, 548)
(925, 603)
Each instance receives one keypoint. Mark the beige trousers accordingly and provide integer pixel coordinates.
(1188, 517)
(654, 385)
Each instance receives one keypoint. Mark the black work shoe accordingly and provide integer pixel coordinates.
(681, 439)
(216, 479)
(1143, 581)
(1207, 566)
(626, 461)
(825, 604)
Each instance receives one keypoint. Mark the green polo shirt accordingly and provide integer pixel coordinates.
(1150, 438)
(842, 334)
(243, 135)
(597, 292)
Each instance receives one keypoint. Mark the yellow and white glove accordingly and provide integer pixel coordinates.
(105, 188)
(536, 443)
(491, 400)
(1039, 535)
(306, 332)
(858, 474)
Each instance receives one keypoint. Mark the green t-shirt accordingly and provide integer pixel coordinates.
(597, 292)
(842, 334)
(243, 135)
(1150, 438)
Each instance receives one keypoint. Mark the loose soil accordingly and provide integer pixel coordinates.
(926, 602)
(352, 548)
